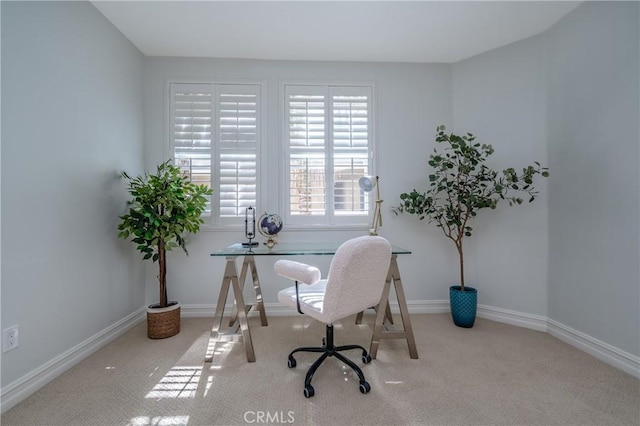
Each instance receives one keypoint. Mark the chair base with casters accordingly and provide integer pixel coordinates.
(329, 349)
(354, 283)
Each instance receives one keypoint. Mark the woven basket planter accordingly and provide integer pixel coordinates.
(163, 322)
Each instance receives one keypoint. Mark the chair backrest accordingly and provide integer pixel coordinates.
(356, 277)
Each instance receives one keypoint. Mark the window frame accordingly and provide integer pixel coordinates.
(214, 221)
(329, 220)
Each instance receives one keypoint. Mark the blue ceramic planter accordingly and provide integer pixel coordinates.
(464, 305)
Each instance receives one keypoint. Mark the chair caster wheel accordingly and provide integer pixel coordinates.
(309, 391)
(366, 358)
(291, 362)
(365, 387)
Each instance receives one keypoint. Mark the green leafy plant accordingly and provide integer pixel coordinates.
(165, 205)
(461, 184)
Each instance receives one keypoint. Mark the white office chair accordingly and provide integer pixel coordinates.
(355, 282)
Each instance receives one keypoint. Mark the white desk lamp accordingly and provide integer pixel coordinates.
(367, 183)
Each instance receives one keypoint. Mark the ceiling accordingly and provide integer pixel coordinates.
(380, 31)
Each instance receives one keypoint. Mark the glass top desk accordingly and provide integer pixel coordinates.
(240, 331)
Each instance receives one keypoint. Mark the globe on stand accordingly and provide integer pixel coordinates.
(269, 225)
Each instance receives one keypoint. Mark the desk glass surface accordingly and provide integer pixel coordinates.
(289, 249)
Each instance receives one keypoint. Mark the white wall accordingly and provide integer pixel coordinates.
(72, 115)
(499, 96)
(412, 99)
(593, 127)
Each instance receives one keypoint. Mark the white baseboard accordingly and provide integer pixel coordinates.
(423, 306)
(520, 319)
(20, 389)
(199, 311)
(618, 358)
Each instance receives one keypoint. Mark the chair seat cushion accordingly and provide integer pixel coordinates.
(311, 298)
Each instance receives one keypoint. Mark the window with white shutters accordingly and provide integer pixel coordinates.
(216, 141)
(329, 147)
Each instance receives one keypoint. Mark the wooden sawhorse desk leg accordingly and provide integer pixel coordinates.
(230, 279)
(378, 332)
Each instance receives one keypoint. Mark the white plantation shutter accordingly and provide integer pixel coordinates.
(237, 148)
(191, 120)
(351, 144)
(307, 145)
(216, 140)
(328, 148)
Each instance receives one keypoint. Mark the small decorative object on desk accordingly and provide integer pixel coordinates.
(250, 227)
(269, 225)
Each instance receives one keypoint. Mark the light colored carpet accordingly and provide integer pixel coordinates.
(492, 374)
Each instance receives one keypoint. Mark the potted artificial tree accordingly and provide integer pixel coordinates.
(165, 205)
(461, 184)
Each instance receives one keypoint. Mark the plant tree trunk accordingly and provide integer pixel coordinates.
(461, 255)
(162, 277)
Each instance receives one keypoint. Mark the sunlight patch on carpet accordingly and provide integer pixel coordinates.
(220, 346)
(179, 382)
(159, 421)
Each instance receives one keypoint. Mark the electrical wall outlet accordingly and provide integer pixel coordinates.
(10, 338)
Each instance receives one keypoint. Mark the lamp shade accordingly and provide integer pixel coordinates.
(367, 183)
